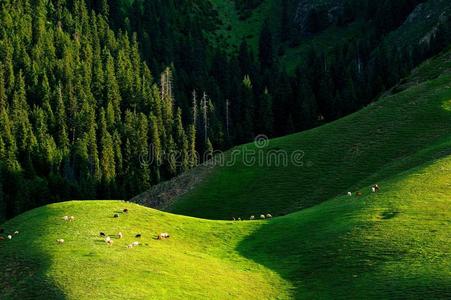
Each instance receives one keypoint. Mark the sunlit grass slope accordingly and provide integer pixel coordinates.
(199, 260)
(391, 245)
(389, 136)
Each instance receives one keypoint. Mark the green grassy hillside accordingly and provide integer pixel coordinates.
(389, 136)
(393, 244)
(201, 259)
(386, 245)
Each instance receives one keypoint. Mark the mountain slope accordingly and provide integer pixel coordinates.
(199, 255)
(386, 137)
(391, 244)
(421, 23)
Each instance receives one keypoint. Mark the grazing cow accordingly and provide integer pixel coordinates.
(138, 236)
(239, 219)
(125, 210)
(130, 246)
(233, 219)
(102, 234)
(16, 232)
(116, 216)
(71, 218)
(66, 218)
(1, 238)
(375, 188)
(60, 241)
(163, 236)
(134, 244)
(120, 235)
(10, 236)
(269, 216)
(252, 218)
(262, 217)
(349, 194)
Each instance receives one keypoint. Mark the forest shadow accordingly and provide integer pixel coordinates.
(25, 265)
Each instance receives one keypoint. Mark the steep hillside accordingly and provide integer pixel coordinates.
(391, 244)
(391, 135)
(419, 26)
(235, 28)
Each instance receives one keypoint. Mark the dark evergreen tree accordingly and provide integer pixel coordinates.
(266, 51)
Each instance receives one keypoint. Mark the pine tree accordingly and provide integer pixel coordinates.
(245, 59)
(47, 152)
(112, 96)
(193, 158)
(143, 148)
(246, 123)
(194, 108)
(117, 145)
(309, 105)
(266, 51)
(326, 97)
(167, 99)
(22, 128)
(107, 163)
(2, 197)
(104, 8)
(60, 122)
(182, 143)
(155, 151)
(11, 164)
(265, 115)
(46, 95)
(3, 102)
(204, 109)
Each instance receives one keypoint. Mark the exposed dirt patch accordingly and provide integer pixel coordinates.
(162, 195)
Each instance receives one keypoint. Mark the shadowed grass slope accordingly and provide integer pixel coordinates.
(389, 136)
(391, 245)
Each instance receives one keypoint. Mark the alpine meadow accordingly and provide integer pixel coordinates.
(225, 149)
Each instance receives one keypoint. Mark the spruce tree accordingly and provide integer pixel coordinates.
(107, 163)
(182, 143)
(155, 151)
(266, 51)
(246, 122)
(265, 115)
(112, 93)
(60, 123)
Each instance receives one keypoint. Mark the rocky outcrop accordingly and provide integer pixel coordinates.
(332, 10)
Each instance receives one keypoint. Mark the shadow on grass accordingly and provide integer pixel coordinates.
(358, 249)
(322, 263)
(25, 265)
